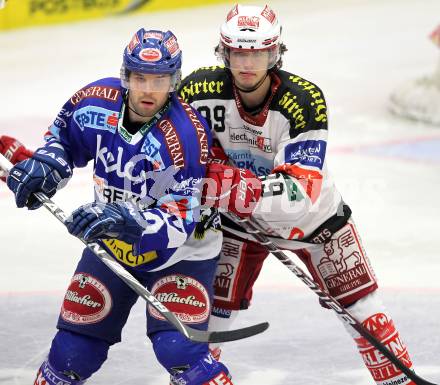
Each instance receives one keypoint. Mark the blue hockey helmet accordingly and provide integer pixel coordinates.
(152, 52)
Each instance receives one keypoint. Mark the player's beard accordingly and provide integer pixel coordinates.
(144, 106)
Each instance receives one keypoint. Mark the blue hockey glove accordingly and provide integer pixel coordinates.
(46, 171)
(95, 221)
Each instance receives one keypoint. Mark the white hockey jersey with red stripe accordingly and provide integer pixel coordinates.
(285, 142)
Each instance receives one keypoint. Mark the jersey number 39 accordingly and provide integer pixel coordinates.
(217, 120)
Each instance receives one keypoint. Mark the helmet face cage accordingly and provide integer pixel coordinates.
(152, 52)
(136, 81)
(250, 28)
(271, 57)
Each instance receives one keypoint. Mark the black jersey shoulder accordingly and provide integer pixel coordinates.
(206, 83)
(301, 102)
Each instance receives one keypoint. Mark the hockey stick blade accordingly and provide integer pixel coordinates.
(230, 335)
(190, 333)
(326, 298)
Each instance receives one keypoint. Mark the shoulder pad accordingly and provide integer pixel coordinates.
(301, 102)
(108, 89)
(206, 83)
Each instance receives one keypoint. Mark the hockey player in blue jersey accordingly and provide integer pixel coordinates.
(150, 151)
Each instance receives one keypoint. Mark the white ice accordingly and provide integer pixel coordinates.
(387, 169)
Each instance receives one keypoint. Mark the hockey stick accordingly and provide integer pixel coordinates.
(325, 297)
(133, 283)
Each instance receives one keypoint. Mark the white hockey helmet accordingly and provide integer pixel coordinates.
(250, 28)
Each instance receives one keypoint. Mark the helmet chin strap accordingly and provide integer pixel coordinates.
(137, 113)
(258, 85)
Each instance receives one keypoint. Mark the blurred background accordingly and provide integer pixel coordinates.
(377, 62)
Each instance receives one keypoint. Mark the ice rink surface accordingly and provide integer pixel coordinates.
(387, 169)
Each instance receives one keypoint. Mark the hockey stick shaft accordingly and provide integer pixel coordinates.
(138, 288)
(326, 298)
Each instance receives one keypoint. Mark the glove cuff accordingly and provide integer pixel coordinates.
(55, 157)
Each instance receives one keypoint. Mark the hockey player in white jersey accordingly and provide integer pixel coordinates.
(274, 123)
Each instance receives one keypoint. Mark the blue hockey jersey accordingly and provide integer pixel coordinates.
(160, 168)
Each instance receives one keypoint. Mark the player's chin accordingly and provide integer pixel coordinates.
(247, 84)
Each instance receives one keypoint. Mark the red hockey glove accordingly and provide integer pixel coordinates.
(231, 189)
(13, 150)
(217, 154)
